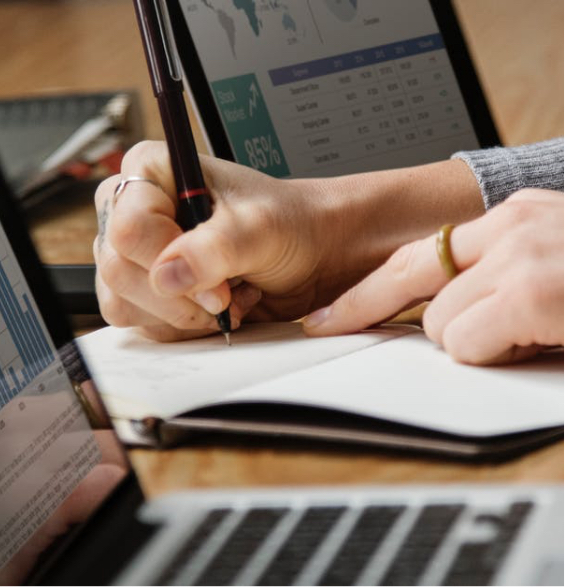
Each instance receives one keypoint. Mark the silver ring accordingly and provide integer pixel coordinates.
(122, 186)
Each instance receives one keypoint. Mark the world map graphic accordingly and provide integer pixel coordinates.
(344, 10)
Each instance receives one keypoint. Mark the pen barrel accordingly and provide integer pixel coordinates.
(194, 201)
(193, 210)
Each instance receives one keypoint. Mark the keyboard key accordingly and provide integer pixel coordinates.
(301, 544)
(192, 544)
(424, 538)
(358, 548)
(476, 563)
(255, 526)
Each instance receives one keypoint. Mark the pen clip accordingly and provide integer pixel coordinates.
(167, 36)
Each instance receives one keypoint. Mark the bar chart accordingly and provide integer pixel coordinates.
(24, 348)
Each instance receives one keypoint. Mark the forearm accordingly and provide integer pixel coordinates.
(401, 205)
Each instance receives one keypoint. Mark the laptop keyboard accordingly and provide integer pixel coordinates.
(364, 539)
(244, 541)
(476, 563)
(421, 543)
(300, 546)
(192, 545)
(374, 545)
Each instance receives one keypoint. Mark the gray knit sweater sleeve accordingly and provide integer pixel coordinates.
(503, 171)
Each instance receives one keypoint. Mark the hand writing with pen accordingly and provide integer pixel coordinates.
(345, 252)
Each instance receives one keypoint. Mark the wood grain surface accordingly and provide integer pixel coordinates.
(80, 45)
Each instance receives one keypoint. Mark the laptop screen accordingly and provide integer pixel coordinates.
(59, 457)
(329, 87)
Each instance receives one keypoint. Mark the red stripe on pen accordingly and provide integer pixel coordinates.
(190, 193)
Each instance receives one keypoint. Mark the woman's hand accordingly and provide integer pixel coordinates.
(286, 247)
(265, 235)
(507, 299)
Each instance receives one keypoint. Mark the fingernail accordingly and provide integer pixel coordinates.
(317, 317)
(209, 301)
(174, 277)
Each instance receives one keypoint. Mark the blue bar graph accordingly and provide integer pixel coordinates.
(24, 329)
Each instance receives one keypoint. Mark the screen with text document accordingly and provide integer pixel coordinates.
(49, 451)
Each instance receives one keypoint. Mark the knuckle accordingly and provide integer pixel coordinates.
(516, 212)
(455, 343)
(139, 157)
(115, 311)
(431, 323)
(105, 191)
(521, 194)
(112, 269)
(401, 264)
(127, 233)
(457, 351)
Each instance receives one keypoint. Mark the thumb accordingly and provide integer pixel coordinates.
(203, 258)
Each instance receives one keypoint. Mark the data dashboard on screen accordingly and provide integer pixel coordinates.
(327, 87)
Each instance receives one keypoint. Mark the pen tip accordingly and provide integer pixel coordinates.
(227, 335)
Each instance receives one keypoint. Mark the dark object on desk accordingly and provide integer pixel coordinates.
(302, 426)
(75, 285)
(49, 142)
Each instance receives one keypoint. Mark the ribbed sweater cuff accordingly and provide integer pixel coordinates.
(503, 171)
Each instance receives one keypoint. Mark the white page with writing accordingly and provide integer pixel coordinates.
(139, 377)
(410, 380)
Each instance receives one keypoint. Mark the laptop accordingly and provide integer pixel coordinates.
(72, 511)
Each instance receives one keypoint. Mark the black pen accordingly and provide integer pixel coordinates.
(194, 201)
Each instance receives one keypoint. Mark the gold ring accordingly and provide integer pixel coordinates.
(122, 186)
(443, 248)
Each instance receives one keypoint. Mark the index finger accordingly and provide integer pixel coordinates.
(142, 220)
(412, 273)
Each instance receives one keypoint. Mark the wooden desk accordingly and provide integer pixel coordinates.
(73, 45)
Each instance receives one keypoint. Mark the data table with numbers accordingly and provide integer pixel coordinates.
(370, 103)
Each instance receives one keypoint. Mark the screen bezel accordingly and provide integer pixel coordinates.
(446, 17)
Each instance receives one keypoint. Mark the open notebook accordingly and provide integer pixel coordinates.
(389, 387)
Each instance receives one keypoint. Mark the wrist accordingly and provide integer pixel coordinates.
(414, 202)
(363, 218)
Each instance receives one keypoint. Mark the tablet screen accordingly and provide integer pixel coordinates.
(328, 87)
